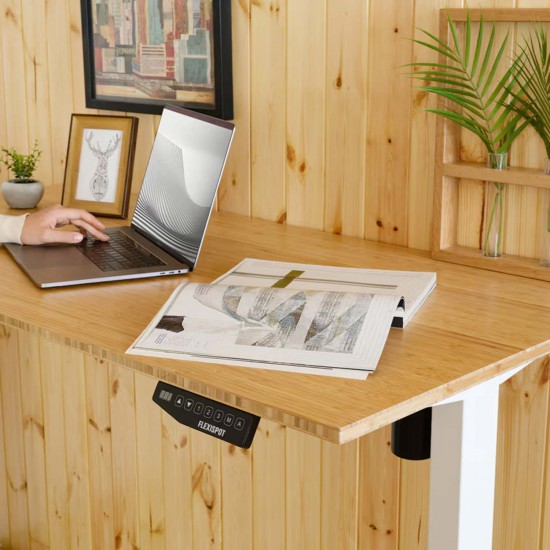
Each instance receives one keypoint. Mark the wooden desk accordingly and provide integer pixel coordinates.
(67, 385)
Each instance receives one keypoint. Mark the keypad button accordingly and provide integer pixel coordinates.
(228, 420)
(179, 401)
(218, 416)
(199, 407)
(188, 406)
(239, 423)
(208, 412)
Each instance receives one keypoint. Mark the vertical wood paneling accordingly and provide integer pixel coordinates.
(234, 193)
(290, 490)
(523, 429)
(124, 457)
(423, 127)
(267, 108)
(13, 63)
(37, 81)
(269, 486)
(306, 75)
(303, 490)
(16, 474)
(346, 90)
(75, 57)
(3, 124)
(54, 434)
(76, 449)
(206, 506)
(522, 222)
(542, 217)
(33, 430)
(4, 511)
(339, 495)
(176, 465)
(470, 215)
(236, 503)
(544, 538)
(149, 462)
(389, 104)
(521, 203)
(305, 113)
(414, 510)
(378, 492)
(99, 452)
(58, 34)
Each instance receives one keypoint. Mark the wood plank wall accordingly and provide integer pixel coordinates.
(87, 460)
(330, 132)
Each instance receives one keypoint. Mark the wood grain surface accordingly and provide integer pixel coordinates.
(475, 325)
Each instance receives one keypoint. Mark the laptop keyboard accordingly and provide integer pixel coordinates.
(119, 253)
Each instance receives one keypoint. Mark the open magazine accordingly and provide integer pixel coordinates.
(413, 286)
(290, 317)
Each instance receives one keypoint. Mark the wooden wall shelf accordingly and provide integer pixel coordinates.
(530, 177)
(526, 267)
(445, 246)
(449, 170)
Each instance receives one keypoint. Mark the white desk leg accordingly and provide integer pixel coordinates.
(462, 469)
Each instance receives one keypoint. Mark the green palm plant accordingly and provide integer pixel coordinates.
(530, 89)
(469, 75)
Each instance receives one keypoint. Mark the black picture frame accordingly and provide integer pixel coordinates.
(214, 99)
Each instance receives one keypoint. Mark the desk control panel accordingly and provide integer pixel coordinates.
(205, 415)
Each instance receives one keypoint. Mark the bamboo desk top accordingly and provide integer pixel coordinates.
(475, 325)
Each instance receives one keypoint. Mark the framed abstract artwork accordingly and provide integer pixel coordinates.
(140, 55)
(100, 156)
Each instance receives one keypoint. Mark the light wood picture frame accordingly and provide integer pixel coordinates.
(100, 158)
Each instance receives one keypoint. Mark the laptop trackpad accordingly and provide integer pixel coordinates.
(46, 256)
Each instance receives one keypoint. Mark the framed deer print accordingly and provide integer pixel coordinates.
(100, 157)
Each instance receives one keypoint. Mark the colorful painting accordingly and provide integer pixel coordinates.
(143, 54)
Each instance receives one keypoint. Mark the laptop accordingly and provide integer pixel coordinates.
(170, 218)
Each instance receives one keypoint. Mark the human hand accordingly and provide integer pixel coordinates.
(40, 227)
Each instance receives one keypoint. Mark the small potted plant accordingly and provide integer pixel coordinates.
(22, 191)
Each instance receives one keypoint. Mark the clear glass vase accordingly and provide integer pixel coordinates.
(493, 220)
(545, 234)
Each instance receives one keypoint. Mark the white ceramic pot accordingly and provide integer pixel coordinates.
(22, 195)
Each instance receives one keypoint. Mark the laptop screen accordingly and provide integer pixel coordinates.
(181, 181)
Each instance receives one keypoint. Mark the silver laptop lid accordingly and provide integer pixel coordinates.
(181, 181)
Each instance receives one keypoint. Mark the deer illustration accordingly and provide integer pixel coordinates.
(100, 180)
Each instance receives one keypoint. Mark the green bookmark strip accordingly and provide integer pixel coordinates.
(287, 279)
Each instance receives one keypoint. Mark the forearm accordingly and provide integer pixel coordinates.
(10, 228)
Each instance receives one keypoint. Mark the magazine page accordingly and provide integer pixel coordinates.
(322, 332)
(413, 286)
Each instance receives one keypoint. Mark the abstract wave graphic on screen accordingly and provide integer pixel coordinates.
(166, 209)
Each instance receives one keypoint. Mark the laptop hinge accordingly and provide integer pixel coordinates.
(162, 245)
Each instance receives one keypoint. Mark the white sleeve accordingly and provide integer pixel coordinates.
(10, 228)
